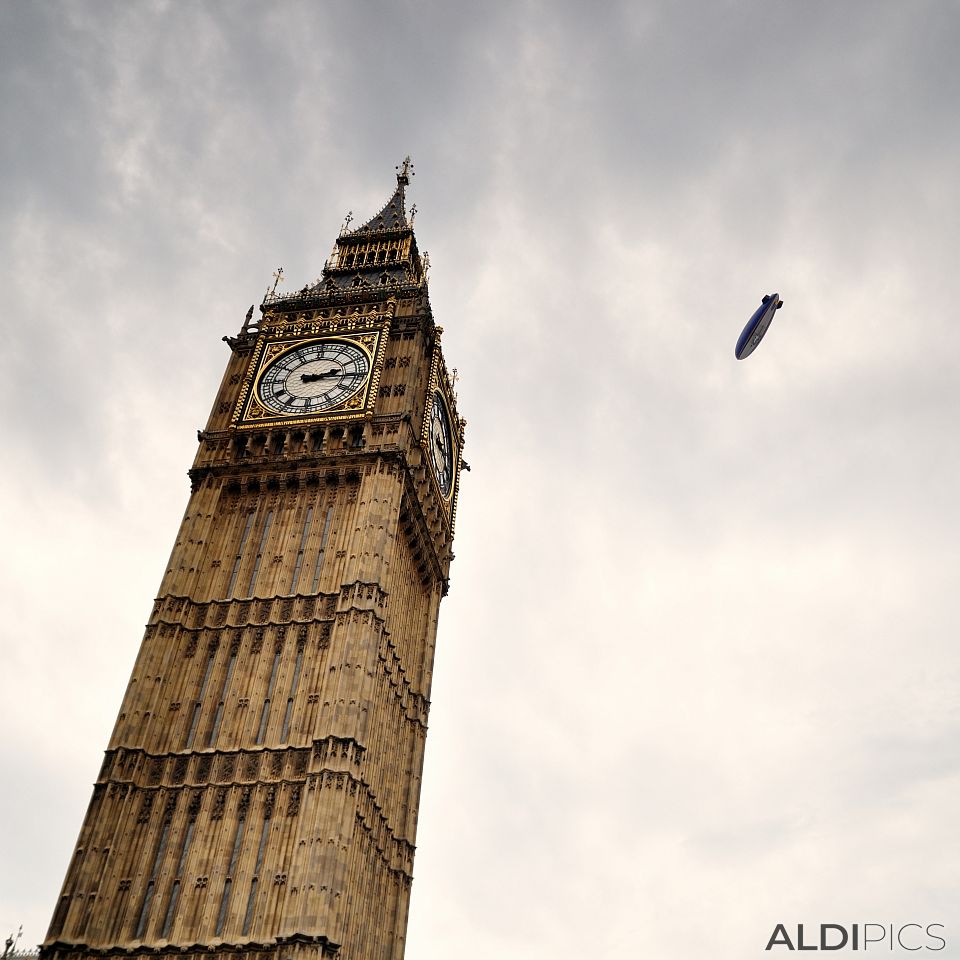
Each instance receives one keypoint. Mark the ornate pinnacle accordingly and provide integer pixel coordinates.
(405, 172)
(277, 278)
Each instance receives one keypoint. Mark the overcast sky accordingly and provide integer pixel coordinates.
(697, 672)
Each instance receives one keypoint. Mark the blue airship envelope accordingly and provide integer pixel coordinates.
(757, 325)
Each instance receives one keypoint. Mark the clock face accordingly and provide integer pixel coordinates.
(314, 376)
(441, 444)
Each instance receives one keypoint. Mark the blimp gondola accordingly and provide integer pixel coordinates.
(757, 325)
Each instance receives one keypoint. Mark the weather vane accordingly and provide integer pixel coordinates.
(406, 171)
(277, 278)
(10, 945)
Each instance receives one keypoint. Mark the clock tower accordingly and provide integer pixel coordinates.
(260, 790)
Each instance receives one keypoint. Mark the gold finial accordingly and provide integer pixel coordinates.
(405, 172)
(277, 278)
(346, 222)
(11, 943)
(413, 214)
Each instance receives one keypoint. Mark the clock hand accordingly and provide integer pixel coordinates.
(311, 377)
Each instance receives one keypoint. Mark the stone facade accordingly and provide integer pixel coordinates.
(259, 794)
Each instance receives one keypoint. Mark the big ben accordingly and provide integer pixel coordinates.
(260, 790)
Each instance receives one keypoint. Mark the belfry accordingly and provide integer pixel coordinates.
(260, 790)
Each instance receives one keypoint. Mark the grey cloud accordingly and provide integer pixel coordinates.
(682, 583)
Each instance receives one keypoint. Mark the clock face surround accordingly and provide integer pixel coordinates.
(440, 438)
(313, 377)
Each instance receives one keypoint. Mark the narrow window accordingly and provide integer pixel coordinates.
(303, 545)
(248, 915)
(320, 552)
(87, 910)
(151, 883)
(265, 713)
(293, 692)
(215, 729)
(199, 701)
(256, 563)
(141, 923)
(175, 886)
(239, 557)
(60, 916)
(228, 883)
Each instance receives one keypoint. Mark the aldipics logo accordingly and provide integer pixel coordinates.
(859, 936)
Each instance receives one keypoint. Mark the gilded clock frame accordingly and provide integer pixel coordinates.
(250, 414)
(439, 382)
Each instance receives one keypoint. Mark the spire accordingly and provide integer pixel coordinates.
(393, 215)
(379, 255)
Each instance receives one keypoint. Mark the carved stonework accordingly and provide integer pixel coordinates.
(179, 769)
(251, 766)
(146, 808)
(228, 767)
(322, 534)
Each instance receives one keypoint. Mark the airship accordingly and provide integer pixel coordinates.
(757, 325)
